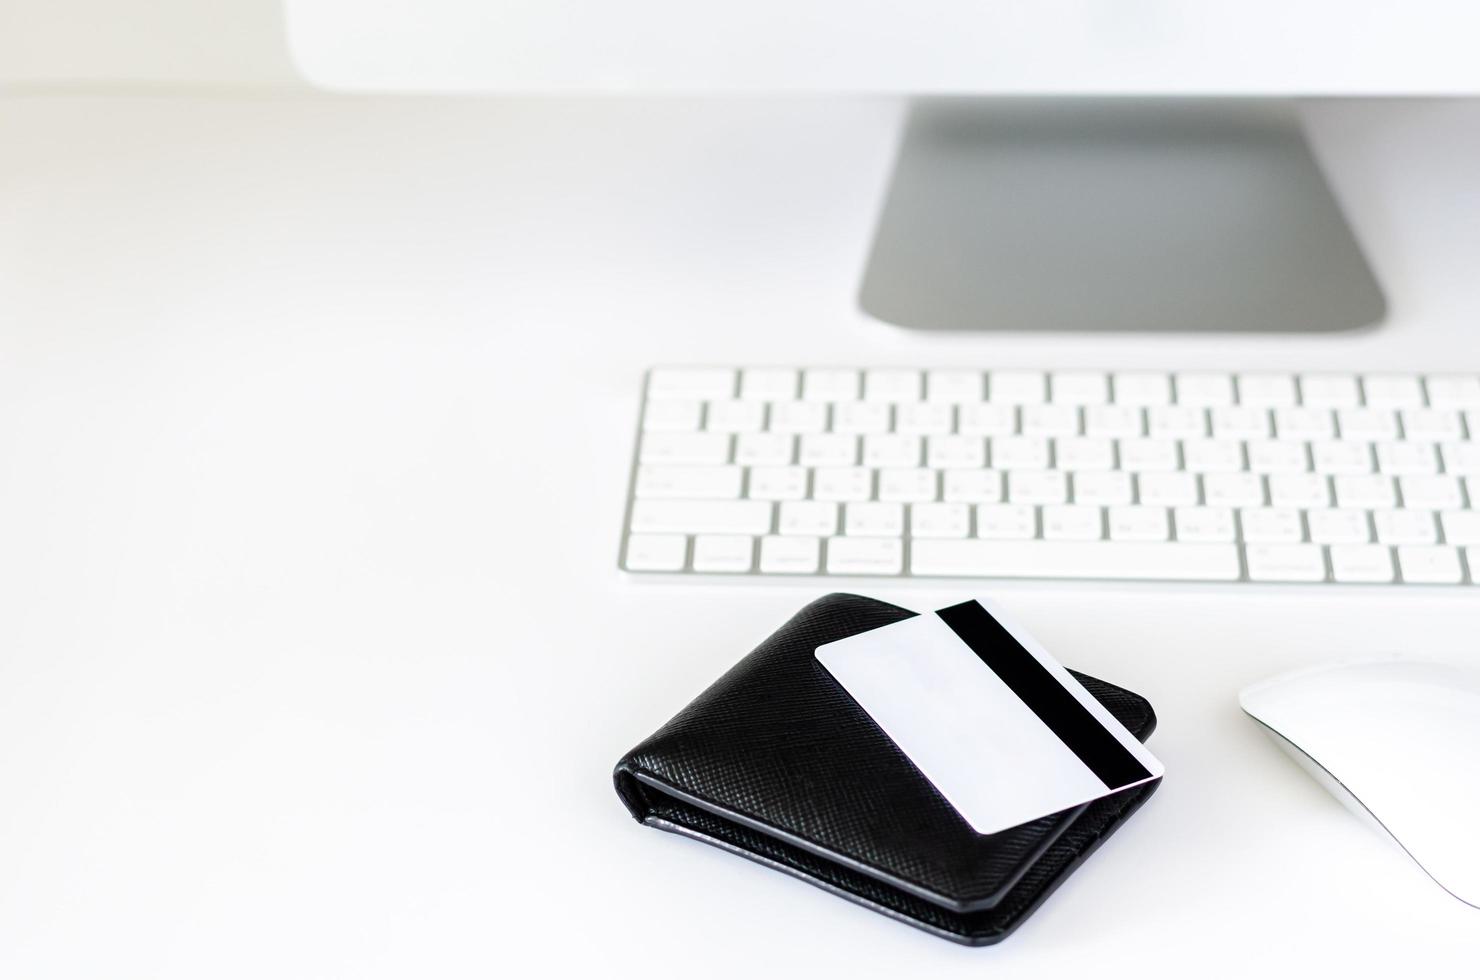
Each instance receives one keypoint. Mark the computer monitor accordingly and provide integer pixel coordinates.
(1067, 164)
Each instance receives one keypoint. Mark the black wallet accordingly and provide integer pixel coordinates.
(777, 763)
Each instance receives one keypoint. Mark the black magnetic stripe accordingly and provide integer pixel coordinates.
(1071, 721)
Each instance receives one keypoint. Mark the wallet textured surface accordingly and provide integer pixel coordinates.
(776, 762)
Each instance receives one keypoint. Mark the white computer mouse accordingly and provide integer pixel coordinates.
(1397, 741)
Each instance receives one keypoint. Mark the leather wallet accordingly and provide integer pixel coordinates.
(777, 763)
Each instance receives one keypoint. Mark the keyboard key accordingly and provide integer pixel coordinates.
(1167, 489)
(777, 483)
(688, 482)
(1083, 453)
(1113, 421)
(691, 383)
(1276, 456)
(1213, 455)
(860, 417)
(1461, 527)
(1037, 487)
(892, 449)
(1016, 387)
(1405, 526)
(656, 552)
(1298, 490)
(1433, 492)
(1006, 521)
(1433, 564)
(940, 520)
(1266, 390)
(1304, 423)
(1361, 563)
(1176, 422)
(1454, 391)
(1329, 391)
(769, 384)
(815, 518)
(1341, 457)
(865, 556)
(701, 516)
(1138, 523)
(1149, 455)
(924, 418)
(1142, 388)
(827, 449)
(1271, 525)
(972, 486)
(1406, 458)
(1430, 424)
(735, 416)
(1285, 563)
(723, 552)
(1370, 490)
(1367, 424)
(1019, 453)
(955, 386)
(985, 419)
(1462, 458)
(874, 519)
(829, 385)
(1076, 559)
(672, 415)
(798, 416)
(1340, 525)
(790, 556)
(685, 447)
(1110, 487)
(1204, 389)
(1392, 391)
(842, 483)
(1239, 422)
(1072, 522)
(1079, 387)
(1050, 420)
(907, 484)
(764, 448)
(944, 452)
(1233, 490)
(892, 385)
(1204, 523)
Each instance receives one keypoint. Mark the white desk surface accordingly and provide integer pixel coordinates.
(315, 418)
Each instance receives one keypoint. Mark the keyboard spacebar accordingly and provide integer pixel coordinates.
(1075, 559)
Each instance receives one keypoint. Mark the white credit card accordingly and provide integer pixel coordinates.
(1001, 729)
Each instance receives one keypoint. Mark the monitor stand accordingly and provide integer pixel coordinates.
(1114, 215)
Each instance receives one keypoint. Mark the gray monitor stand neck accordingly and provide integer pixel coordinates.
(1114, 215)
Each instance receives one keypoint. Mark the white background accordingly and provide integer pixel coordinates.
(315, 419)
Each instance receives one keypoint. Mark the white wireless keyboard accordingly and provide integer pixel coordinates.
(1198, 476)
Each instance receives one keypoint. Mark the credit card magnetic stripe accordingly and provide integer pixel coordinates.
(1055, 706)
